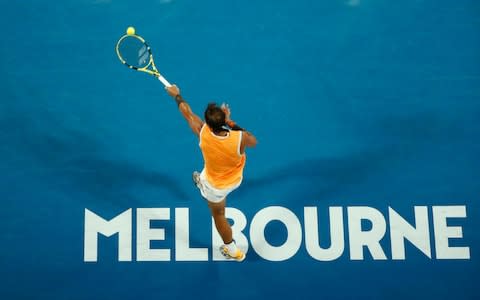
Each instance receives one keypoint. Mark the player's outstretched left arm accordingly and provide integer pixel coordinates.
(193, 120)
(248, 139)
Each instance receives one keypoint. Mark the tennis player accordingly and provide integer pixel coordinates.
(223, 145)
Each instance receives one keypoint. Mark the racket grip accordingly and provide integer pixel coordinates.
(164, 81)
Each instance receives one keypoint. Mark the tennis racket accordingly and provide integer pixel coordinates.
(134, 52)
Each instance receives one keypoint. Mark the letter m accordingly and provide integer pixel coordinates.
(121, 224)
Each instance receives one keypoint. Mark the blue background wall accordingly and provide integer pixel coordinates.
(356, 102)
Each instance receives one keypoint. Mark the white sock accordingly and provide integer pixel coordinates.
(232, 247)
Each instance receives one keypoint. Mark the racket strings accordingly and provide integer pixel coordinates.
(134, 52)
(143, 55)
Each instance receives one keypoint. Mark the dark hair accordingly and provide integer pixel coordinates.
(215, 117)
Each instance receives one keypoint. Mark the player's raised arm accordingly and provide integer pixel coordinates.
(193, 120)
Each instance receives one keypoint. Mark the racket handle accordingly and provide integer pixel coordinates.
(164, 81)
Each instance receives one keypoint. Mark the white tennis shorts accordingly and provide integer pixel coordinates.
(213, 194)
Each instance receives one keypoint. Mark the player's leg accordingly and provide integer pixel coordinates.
(221, 223)
(229, 249)
(216, 199)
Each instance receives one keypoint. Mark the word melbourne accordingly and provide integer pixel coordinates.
(366, 231)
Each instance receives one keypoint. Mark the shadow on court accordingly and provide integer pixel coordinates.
(390, 144)
(76, 163)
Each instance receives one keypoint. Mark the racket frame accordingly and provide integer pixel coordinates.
(150, 68)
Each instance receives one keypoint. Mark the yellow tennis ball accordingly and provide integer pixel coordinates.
(130, 30)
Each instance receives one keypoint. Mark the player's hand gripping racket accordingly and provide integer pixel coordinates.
(133, 52)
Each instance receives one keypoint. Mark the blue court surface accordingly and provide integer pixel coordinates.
(364, 183)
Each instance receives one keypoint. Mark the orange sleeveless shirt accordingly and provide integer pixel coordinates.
(223, 162)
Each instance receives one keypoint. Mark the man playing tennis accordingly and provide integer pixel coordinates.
(223, 145)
